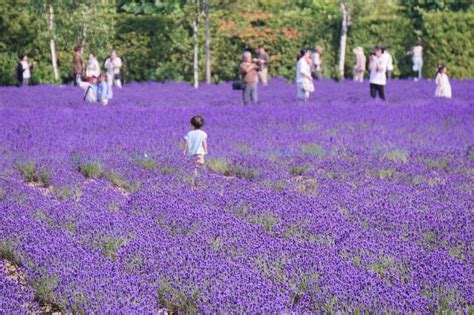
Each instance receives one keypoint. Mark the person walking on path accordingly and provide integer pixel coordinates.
(23, 70)
(112, 67)
(443, 87)
(317, 61)
(304, 80)
(417, 58)
(77, 64)
(248, 71)
(263, 60)
(93, 67)
(378, 77)
(360, 62)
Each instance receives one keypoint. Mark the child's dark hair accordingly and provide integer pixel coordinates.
(197, 122)
(441, 67)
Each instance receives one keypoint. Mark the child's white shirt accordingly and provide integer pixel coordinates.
(195, 139)
(443, 87)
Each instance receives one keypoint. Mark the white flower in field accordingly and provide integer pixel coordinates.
(146, 155)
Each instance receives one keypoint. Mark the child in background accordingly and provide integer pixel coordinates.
(103, 94)
(443, 88)
(195, 143)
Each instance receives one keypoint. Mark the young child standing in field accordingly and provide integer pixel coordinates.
(195, 141)
(103, 94)
(443, 88)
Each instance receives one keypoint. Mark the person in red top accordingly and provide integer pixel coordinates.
(248, 71)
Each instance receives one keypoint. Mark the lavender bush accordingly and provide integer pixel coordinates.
(337, 204)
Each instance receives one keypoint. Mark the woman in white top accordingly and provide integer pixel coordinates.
(93, 67)
(304, 80)
(112, 66)
(417, 58)
(24, 70)
(443, 87)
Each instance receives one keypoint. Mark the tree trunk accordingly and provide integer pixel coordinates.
(83, 40)
(342, 44)
(208, 43)
(195, 36)
(53, 45)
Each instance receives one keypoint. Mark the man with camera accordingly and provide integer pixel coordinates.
(378, 69)
(248, 71)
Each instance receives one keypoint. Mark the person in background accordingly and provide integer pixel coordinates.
(248, 71)
(304, 80)
(417, 58)
(389, 59)
(378, 77)
(317, 60)
(263, 60)
(112, 67)
(195, 141)
(103, 94)
(23, 70)
(443, 87)
(93, 67)
(77, 64)
(360, 62)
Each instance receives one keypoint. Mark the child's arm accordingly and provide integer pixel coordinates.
(204, 144)
(185, 147)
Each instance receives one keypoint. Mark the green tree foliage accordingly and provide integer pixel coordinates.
(154, 37)
(447, 40)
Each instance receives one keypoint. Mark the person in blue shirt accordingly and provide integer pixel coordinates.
(103, 90)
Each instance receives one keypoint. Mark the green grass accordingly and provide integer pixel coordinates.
(91, 169)
(175, 301)
(244, 172)
(386, 173)
(267, 221)
(118, 181)
(381, 267)
(216, 244)
(299, 170)
(223, 167)
(220, 166)
(397, 156)
(8, 252)
(439, 164)
(68, 193)
(44, 287)
(313, 149)
(28, 172)
(31, 174)
(109, 246)
(308, 186)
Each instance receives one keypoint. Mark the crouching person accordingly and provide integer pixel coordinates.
(90, 88)
(96, 90)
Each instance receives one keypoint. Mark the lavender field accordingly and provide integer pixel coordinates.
(338, 204)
